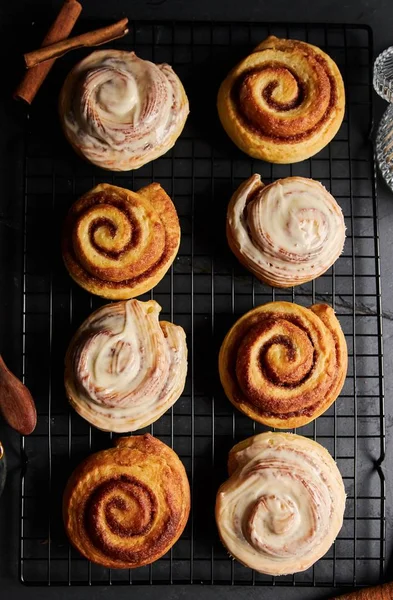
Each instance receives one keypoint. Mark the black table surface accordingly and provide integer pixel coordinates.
(18, 18)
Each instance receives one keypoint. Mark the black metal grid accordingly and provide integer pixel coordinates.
(205, 292)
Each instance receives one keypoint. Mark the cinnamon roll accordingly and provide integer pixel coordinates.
(285, 233)
(283, 504)
(121, 112)
(124, 368)
(282, 364)
(284, 102)
(119, 244)
(125, 507)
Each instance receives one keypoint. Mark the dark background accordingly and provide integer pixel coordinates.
(24, 20)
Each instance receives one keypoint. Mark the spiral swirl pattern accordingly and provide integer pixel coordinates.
(126, 506)
(120, 111)
(286, 233)
(284, 365)
(283, 504)
(119, 244)
(284, 102)
(124, 368)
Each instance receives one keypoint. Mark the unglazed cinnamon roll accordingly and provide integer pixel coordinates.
(284, 102)
(285, 233)
(283, 504)
(119, 244)
(282, 364)
(124, 368)
(125, 507)
(120, 111)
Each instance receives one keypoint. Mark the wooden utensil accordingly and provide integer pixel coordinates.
(380, 592)
(16, 403)
(60, 29)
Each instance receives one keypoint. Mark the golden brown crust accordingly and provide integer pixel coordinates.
(119, 244)
(282, 364)
(284, 102)
(125, 507)
(326, 314)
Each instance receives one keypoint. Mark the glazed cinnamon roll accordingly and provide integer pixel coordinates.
(285, 233)
(283, 504)
(284, 102)
(124, 368)
(125, 507)
(119, 111)
(119, 244)
(282, 364)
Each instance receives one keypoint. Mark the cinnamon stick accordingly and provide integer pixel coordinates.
(60, 29)
(85, 40)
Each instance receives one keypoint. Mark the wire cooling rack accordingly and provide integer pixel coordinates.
(205, 291)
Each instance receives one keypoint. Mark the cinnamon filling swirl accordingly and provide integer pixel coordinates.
(284, 102)
(126, 506)
(277, 88)
(118, 243)
(283, 364)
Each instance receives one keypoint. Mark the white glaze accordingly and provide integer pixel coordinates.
(283, 506)
(120, 110)
(127, 367)
(289, 232)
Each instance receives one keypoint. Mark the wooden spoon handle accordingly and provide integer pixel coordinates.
(380, 592)
(16, 403)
